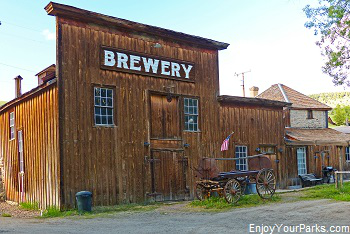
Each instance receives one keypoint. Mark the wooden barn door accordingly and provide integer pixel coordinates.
(168, 165)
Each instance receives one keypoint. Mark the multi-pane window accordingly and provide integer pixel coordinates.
(347, 154)
(103, 106)
(20, 151)
(241, 164)
(301, 158)
(12, 125)
(191, 114)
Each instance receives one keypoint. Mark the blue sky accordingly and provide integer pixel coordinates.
(266, 37)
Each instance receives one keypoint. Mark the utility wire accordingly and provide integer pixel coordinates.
(16, 36)
(36, 30)
(17, 67)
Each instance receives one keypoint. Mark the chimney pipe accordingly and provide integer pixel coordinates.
(18, 86)
(254, 91)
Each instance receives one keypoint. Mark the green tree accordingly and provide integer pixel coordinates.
(340, 114)
(331, 20)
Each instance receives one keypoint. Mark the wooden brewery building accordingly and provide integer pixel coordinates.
(127, 113)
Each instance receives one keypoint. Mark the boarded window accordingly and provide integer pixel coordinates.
(12, 125)
(241, 151)
(347, 154)
(103, 107)
(301, 158)
(191, 114)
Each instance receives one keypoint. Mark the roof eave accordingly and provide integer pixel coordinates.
(316, 143)
(310, 108)
(62, 10)
(251, 101)
(27, 95)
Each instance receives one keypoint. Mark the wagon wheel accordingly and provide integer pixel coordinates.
(266, 183)
(202, 193)
(232, 191)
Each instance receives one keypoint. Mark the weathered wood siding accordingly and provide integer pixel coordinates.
(254, 127)
(112, 161)
(334, 155)
(37, 117)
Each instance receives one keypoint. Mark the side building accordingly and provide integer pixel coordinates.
(132, 110)
(310, 144)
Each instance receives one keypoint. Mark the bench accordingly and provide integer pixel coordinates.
(309, 180)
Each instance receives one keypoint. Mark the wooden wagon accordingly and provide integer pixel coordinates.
(232, 184)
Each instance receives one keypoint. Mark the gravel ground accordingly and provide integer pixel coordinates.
(14, 211)
(178, 219)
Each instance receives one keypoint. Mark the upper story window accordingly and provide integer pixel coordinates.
(347, 154)
(242, 164)
(191, 114)
(309, 114)
(12, 125)
(103, 106)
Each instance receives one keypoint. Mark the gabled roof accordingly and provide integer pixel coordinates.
(75, 13)
(280, 92)
(321, 136)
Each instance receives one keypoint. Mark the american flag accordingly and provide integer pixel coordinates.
(224, 145)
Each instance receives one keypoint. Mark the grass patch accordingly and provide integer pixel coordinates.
(328, 191)
(218, 203)
(6, 215)
(29, 206)
(98, 211)
(53, 212)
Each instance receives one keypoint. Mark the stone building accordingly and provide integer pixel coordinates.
(310, 144)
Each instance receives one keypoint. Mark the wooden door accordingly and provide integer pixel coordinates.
(168, 164)
(165, 121)
(169, 169)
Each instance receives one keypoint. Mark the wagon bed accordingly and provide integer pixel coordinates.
(232, 184)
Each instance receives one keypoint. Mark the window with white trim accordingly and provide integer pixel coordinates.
(301, 159)
(12, 125)
(191, 114)
(241, 151)
(347, 154)
(103, 107)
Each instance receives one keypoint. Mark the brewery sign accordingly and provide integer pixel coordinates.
(145, 64)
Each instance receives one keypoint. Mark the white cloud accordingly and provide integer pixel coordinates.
(49, 35)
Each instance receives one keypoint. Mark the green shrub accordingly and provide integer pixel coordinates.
(6, 215)
(29, 205)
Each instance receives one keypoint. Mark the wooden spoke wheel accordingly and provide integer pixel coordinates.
(266, 183)
(232, 191)
(202, 193)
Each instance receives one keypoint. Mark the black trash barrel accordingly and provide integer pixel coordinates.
(84, 201)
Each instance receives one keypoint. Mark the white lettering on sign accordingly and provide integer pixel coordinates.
(109, 58)
(134, 60)
(187, 70)
(165, 65)
(150, 63)
(121, 60)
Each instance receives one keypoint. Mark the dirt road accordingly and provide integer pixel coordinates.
(174, 219)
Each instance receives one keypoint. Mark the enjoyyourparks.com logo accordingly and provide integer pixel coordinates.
(300, 228)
